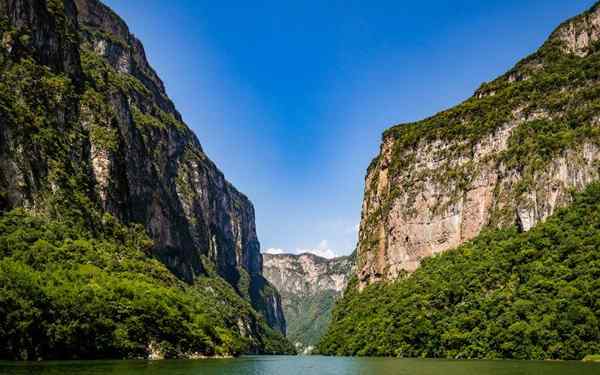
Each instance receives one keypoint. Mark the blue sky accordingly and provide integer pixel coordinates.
(290, 98)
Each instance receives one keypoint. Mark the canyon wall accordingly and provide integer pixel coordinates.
(87, 125)
(510, 155)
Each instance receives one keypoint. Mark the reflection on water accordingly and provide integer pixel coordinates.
(282, 365)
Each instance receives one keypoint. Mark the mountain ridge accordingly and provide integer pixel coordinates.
(478, 236)
(438, 182)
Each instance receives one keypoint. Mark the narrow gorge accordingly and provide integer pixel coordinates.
(309, 286)
(122, 241)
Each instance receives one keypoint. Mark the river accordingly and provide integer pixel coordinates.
(313, 365)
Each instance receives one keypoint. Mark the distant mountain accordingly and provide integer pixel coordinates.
(309, 286)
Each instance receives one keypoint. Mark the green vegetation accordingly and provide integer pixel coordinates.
(70, 291)
(74, 281)
(56, 143)
(66, 292)
(100, 75)
(592, 358)
(562, 86)
(552, 95)
(94, 33)
(99, 117)
(308, 285)
(308, 316)
(103, 79)
(533, 295)
(26, 90)
(143, 120)
(158, 119)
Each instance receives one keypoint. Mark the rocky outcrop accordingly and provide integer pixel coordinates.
(581, 33)
(306, 273)
(510, 155)
(109, 140)
(309, 286)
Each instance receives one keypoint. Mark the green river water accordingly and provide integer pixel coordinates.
(314, 365)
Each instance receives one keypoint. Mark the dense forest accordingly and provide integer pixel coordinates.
(532, 295)
(70, 292)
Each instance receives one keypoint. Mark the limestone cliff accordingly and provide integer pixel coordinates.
(509, 155)
(86, 123)
(309, 286)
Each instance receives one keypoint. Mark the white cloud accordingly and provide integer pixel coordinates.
(274, 251)
(323, 245)
(325, 253)
(321, 250)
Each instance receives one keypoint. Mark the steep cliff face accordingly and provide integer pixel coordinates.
(506, 294)
(309, 286)
(511, 154)
(87, 125)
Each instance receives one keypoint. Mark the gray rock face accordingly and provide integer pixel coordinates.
(579, 35)
(137, 159)
(309, 286)
(306, 273)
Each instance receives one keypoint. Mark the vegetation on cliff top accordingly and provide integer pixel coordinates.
(554, 97)
(510, 139)
(559, 86)
(533, 295)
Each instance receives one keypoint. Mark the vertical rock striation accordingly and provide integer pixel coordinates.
(509, 155)
(111, 141)
(309, 286)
